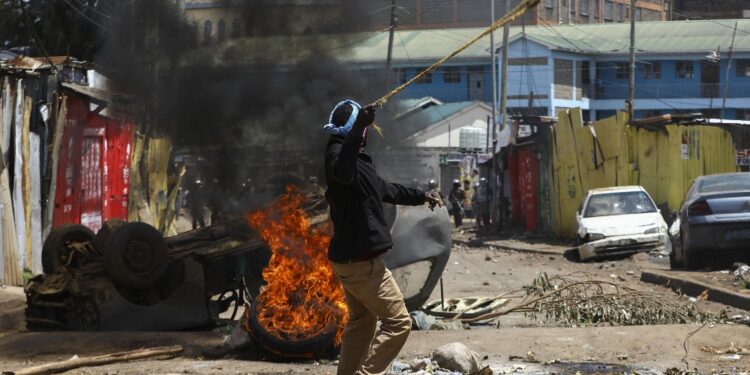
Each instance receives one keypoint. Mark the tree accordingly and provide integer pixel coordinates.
(54, 27)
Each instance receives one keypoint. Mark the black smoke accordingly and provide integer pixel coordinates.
(251, 106)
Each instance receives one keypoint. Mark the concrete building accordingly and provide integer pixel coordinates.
(587, 66)
(219, 20)
(583, 66)
(709, 9)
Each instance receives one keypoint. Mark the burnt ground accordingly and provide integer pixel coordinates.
(478, 267)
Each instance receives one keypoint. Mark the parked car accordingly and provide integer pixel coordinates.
(714, 219)
(618, 221)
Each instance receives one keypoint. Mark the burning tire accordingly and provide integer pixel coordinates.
(136, 255)
(55, 251)
(287, 344)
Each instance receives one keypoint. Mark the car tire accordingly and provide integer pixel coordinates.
(104, 233)
(136, 255)
(674, 264)
(690, 262)
(54, 252)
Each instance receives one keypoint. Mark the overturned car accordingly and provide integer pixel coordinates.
(127, 277)
(620, 221)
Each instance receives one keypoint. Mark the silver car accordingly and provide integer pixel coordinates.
(714, 220)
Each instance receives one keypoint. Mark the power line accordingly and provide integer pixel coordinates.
(85, 16)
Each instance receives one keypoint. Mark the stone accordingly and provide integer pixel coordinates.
(457, 357)
(447, 325)
(238, 338)
(398, 367)
(421, 321)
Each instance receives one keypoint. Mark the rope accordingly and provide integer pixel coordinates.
(515, 13)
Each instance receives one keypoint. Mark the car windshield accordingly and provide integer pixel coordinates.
(726, 182)
(625, 203)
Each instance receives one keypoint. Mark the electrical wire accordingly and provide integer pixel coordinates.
(86, 17)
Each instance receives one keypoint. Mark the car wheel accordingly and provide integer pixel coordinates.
(136, 255)
(674, 264)
(690, 261)
(55, 252)
(103, 235)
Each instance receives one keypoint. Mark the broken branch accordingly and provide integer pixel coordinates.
(57, 367)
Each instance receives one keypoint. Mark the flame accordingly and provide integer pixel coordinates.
(303, 296)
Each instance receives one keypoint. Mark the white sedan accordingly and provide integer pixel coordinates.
(620, 220)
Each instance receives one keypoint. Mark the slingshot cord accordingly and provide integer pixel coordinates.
(515, 13)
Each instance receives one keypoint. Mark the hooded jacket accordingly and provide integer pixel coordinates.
(355, 194)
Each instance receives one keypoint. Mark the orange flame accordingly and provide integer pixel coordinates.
(303, 296)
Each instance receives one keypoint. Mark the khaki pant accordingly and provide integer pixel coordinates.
(371, 294)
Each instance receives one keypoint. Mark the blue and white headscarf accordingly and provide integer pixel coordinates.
(332, 129)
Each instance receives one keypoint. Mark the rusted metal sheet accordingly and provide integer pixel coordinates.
(515, 193)
(18, 201)
(93, 171)
(67, 195)
(117, 172)
(528, 186)
(664, 162)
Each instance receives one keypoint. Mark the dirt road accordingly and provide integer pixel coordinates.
(479, 270)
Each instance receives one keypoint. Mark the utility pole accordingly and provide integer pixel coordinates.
(504, 70)
(729, 68)
(631, 91)
(392, 30)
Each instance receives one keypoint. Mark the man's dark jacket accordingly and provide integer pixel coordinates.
(355, 192)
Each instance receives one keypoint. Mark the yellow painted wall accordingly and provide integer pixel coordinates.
(611, 153)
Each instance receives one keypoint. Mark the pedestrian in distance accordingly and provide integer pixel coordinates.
(457, 197)
(197, 202)
(361, 235)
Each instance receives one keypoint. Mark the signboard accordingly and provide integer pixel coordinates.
(743, 157)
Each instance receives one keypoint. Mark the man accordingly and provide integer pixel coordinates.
(457, 197)
(484, 197)
(197, 203)
(361, 236)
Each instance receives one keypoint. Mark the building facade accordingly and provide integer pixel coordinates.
(218, 20)
(565, 66)
(709, 9)
(587, 66)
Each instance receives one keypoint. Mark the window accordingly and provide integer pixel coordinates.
(652, 70)
(638, 14)
(584, 7)
(548, 4)
(452, 74)
(743, 114)
(221, 31)
(426, 79)
(399, 75)
(683, 69)
(236, 26)
(743, 68)
(622, 71)
(620, 12)
(607, 10)
(596, 8)
(207, 30)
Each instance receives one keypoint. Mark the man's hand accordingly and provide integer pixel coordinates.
(433, 199)
(365, 118)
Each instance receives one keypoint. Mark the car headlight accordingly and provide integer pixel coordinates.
(653, 230)
(595, 236)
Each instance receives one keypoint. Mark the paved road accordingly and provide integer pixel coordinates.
(477, 270)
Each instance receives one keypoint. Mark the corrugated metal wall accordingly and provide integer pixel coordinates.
(611, 153)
